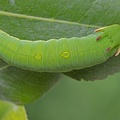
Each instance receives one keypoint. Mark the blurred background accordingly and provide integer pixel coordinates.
(79, 100)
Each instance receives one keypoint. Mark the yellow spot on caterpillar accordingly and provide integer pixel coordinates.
(38, 56)
(65, 54)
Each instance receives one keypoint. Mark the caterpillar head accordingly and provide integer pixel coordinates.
(112, 32)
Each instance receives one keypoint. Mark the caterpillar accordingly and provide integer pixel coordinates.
(61, 55)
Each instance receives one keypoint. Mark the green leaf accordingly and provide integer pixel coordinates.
(9, 111)
(97, 72)
(22, 86)
(46, 19)
(103, 13)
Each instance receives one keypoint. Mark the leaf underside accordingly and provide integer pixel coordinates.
(45, 19)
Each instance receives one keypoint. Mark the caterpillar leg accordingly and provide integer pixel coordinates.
(118, 52)
(108, 31)
(101, 30)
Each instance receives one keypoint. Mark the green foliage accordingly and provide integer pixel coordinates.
(9, 111)
(46, 19)
(74, 100)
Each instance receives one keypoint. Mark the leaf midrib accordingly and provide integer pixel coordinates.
(10, 14)
(4, 67)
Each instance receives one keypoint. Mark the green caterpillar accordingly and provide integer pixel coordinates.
(61, 55)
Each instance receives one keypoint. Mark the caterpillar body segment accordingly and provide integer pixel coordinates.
(61, 55)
